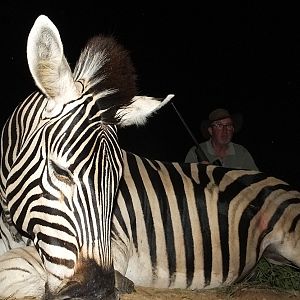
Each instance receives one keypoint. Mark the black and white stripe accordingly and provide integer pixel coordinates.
(61, 162)
(173, 225)
(197, 226)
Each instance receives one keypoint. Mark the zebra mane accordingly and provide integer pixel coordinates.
(106, 70)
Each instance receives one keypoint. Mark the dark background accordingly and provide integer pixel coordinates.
(242, 56)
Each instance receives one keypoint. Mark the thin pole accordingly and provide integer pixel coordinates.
(200, 153)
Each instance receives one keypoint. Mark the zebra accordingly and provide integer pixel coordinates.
(195, 226)
(191, 226)
(60, 162)
(198, 226)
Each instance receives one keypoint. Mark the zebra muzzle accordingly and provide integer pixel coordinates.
(89, 282)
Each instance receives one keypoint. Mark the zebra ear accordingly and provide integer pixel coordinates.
(48, 65)
(140, 108)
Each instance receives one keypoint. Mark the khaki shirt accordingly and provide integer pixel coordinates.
(237, 156)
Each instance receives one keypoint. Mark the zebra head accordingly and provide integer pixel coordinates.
(61, 161)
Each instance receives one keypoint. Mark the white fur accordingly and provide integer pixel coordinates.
(140, 109)
(48, 65)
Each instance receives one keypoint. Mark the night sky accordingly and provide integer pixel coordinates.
(224, 54)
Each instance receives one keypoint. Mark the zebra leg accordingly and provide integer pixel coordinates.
(120, 245)
(22, 274)
(286, 250)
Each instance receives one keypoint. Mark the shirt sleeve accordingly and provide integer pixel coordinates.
(191, 156)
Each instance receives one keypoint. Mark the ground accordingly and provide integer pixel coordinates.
(241, 293)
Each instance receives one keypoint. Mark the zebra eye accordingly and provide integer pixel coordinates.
(62, 174)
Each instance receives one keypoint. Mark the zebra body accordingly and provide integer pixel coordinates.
(195, 226)
(60, 161)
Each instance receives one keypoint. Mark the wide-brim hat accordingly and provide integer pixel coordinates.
(219, 114)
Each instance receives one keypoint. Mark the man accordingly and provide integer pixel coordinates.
(219, 149)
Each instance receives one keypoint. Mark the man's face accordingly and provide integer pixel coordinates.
(222, 131)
